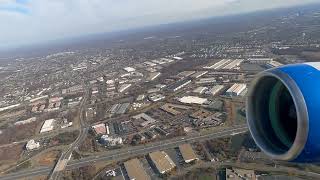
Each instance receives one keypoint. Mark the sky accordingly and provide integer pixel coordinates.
(24, 22)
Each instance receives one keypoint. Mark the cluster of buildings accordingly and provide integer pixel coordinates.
(160, 162)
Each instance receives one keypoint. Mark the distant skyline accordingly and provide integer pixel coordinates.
(26, 22)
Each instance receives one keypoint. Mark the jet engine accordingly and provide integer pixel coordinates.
(283, 112)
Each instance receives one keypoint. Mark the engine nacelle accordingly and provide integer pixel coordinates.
(283, 112)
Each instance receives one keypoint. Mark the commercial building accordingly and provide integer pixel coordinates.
(162, 162)
(179, 85)
(236, 89)
(193, 100)
(135, 170)
(47, 126)
(99, 129)
(215, 90)
(187, 153)
(32, 145)
(110, 141)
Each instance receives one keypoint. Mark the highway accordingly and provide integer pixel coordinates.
(128, 152)
(66, 156)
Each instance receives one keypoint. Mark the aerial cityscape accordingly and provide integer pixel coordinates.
(164, 102)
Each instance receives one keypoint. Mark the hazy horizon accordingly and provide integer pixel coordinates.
(37, 21)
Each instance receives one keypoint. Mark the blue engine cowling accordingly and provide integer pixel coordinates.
(283, 112)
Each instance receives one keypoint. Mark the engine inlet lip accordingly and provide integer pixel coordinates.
(301, 110)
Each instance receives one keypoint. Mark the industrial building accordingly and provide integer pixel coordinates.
(260, 60)
(153, 76)
(147, 120)
(226, 64)
(236, 89)
(179, 85)
(233, 64)
(273, 64)
(162, 162)
(32, 145)
(140, 97)
(135, 170)
(211, 120)
(167, 60)
(187, 153)
(47, 126)
(150, 63)
(193, 100)
(199, 74)
(171, 108)
(206, 80)
(200, 90)
(215, 90)
(159, 61)
(123, 108)
(219, 65)
(129, 69)
(185, 74)
(156, 97)
(150, 134)
(239, 174)
(200, 114)
(124, 87)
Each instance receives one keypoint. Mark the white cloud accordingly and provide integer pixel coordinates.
(52, 19)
